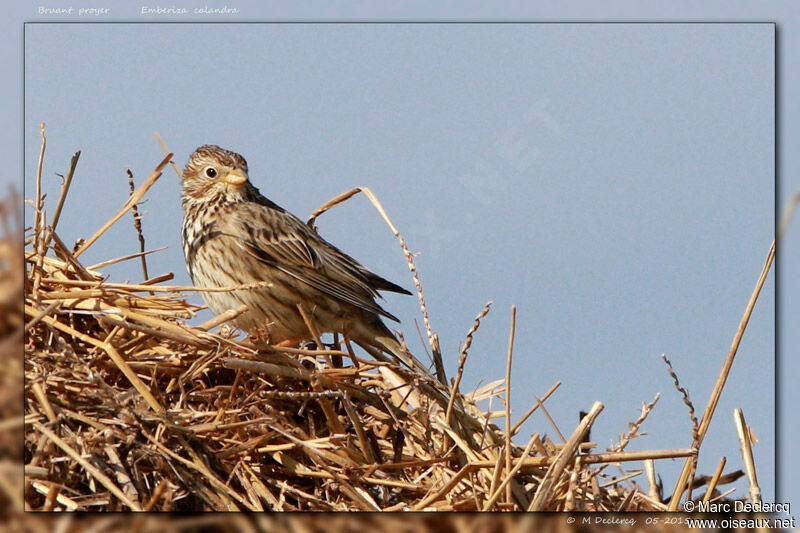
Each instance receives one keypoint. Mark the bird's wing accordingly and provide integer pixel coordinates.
(345, 262)
(279, 239)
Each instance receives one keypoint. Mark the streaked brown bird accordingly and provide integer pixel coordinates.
(232, 235)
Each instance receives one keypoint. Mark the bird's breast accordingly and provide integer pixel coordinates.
(199, 228)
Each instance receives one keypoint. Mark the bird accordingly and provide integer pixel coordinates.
(233, 235)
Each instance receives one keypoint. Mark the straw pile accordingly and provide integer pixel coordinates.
(11, 328)
(127, 407)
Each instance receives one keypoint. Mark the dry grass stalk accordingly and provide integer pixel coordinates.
(508, 399)
(712, 485)
(652, 484)
(546, 487)
(539, 402)
(633, 427)
(127, 407)
(695, 424)
(742, 431)
(65, 189)
(462, 359)
(137, 224)
(685, 395)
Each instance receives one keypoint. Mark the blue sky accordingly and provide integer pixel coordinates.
(614, 182)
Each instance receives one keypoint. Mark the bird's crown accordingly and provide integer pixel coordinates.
(213, 154)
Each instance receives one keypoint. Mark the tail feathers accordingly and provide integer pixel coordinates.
(393, 347)
(379, 344)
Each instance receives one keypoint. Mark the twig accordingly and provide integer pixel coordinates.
(510, 473)
(714, 480)
(46, 312)
(222, 318)
(652, 484)
(157, 493)
(446, 488)
(624, 505)
(695, 425)
(686, 399)
(164, 147)
(723, 495)
(363, 441)
(747, 455)
(158, 279)
(137, 224)
(539, 401)
(64, 189)
(132, 200)
(542, 496)
(116, 260)
(569, 501)
(618, 480)
(63, 253)
(634, 428)
(310, 325)
(39, 199)
(462, 359)
(162, 288)
(41, 396)
(508, 397)
(42, 251)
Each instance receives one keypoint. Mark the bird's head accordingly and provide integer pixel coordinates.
(212, 171)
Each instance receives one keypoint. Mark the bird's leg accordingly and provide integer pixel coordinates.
(260, 335)
(289, 343)
(336, 359)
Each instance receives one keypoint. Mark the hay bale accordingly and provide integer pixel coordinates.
(128, 407)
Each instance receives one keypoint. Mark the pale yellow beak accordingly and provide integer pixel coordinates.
(235, 177)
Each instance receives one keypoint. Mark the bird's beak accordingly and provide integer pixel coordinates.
(235, 177)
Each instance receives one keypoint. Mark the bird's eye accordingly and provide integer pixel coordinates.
(211, 172)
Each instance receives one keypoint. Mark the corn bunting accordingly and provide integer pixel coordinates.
(232, 235)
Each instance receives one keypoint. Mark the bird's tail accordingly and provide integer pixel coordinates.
(391, 345)
(380, 341)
